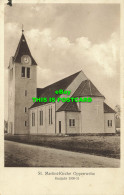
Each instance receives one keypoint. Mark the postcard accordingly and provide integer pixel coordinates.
(61, 97)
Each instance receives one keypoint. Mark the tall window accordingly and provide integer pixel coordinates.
(25, 109)
(25, 123)
(50, 116)
(25, 92)
(109, 123)
(41, 117)
(28, 72)
(33, 119)
(71, 122)
(23, 71)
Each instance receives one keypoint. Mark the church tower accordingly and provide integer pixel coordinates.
(22, 87)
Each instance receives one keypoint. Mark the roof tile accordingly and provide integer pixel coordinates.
(86, 88)
(108, 109)
(69, 106)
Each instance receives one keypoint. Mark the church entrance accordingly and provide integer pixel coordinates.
(59, 126)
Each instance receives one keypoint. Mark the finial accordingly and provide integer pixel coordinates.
(22, 28)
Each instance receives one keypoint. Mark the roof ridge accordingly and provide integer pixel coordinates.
(63, 79)
(83, 86)
(96, 87)
(90, 87)
(66, 105)
(17, 48)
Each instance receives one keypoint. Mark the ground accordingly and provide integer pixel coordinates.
(102, 145)
(24, 155)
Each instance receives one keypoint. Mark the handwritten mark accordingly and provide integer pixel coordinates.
(9, 2)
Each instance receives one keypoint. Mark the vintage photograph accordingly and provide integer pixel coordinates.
(62, 85)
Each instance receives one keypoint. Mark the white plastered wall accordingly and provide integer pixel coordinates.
(73, 129)
(46, 128)
(92, 120)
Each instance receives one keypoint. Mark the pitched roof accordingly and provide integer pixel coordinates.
(39, 91)
(49, 91)
(108, 109)
(23, 49)
(70, 107)
(87, 88)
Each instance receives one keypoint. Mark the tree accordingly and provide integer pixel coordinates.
(5, 126)
(117, 110)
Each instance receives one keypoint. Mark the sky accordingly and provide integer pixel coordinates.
(67, 38)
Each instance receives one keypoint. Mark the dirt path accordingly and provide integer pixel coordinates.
(23, 155)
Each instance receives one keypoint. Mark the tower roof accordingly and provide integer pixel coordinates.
(23, 49)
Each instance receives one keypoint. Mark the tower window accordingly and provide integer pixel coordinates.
(28, 72)
(25, 92)
(23, 71)
(25, 123)
(25, 109)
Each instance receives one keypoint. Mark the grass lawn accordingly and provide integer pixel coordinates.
(103, 145)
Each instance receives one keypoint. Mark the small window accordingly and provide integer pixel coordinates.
(25, 92)
(33, 119)
(71, 122)
(23, 71)
(109, 123)
(25, 123)
(25, 109)
(28, 72)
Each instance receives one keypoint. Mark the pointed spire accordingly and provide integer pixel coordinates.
(23, 49)
(22, 29)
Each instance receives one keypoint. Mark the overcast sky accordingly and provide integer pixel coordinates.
(65, 38)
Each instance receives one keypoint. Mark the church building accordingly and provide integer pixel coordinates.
(26, 117)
